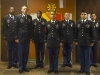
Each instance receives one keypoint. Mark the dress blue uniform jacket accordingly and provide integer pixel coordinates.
(10, 28)
(24, 28)
(67, 30)
(84, 34)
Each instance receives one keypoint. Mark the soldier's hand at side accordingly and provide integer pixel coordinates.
(91, 44)
(32, 41)
(99, 41)
(76, 43)
(60, 44)
(5, 41)
(17, 41)
(45, 44)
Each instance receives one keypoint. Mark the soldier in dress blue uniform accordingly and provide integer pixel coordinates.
(38, 29)
(84, 38)
(67, 28)
(10, 23)
(96, 26)
(24, 35)
(53, 42)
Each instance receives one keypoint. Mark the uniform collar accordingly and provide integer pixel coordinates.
(84, 20)
(23, 15)
(52, 21)
(11, 16)
(38, 19)
(93, 20)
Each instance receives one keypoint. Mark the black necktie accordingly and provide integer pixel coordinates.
(25, 16)
(83, 21)
(12, 16)
(67, 21)
(53, 22)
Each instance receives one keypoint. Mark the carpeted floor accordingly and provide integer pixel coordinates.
(62, 71)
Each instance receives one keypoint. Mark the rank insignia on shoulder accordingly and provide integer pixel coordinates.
(8, 21)
(21, 20)
(78, 25)
(35, 23)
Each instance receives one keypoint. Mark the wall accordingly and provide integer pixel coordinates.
(0, 30)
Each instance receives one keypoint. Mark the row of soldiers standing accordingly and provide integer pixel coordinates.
(18, 30)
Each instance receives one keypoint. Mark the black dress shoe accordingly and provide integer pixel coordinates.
(79, 72)
(63, 65)
(56, 71)
(8, 67)
(41, 66)
(20, 71)
(26, 70)
(37, 66)
(16, 66)
(87, 73)
(95, 65)
(69, 65)
(50, 71)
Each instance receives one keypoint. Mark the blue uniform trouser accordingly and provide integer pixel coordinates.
(93, 55)
(12, 51)
(84, 58)
(23, 51)
(39, 47)
(53, 58)
(67, 49)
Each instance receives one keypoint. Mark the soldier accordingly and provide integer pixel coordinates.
(38, 30)
(24, 35)
(84, 38)
(94, 48)
(10, 23)
(67, 28)
(53, 42)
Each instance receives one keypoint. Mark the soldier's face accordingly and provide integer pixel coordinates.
(12, 10)
(39, 14)
(67, 16)
(93, 17)
(24, 10)
(83, 15)
(52, 15)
